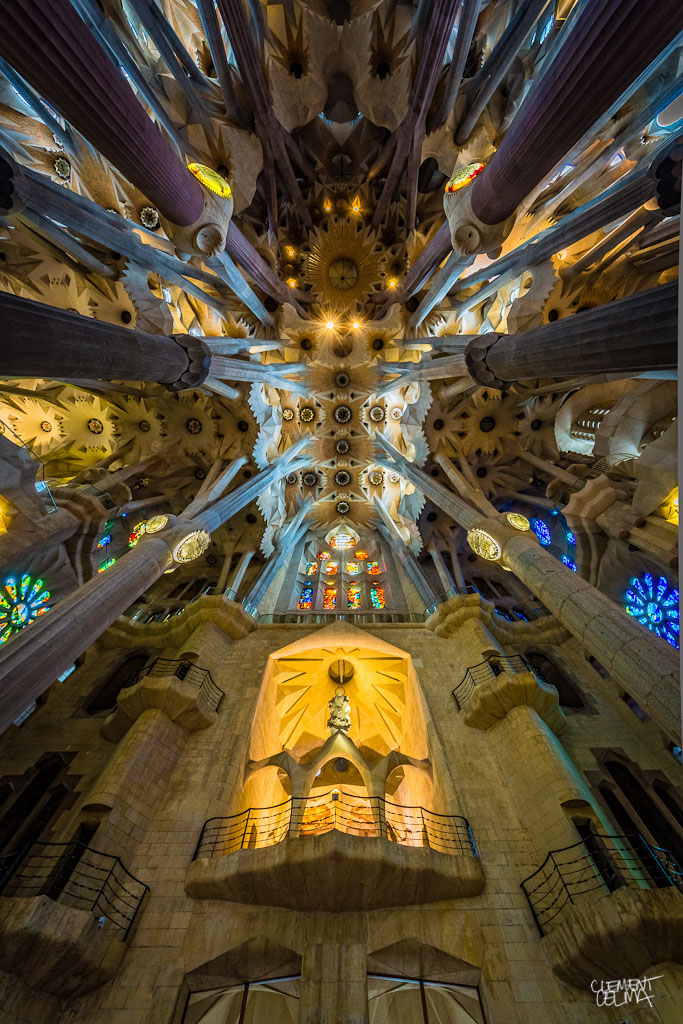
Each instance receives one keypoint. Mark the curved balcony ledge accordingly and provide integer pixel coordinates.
(622, 935)
(494, 698)
(184, 692)
(55, 948)
(336, 871)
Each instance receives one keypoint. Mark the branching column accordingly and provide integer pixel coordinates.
(630, 336)
(42, 341)
(646, 665)
(30, 662)
(612, 42)
(52, 48)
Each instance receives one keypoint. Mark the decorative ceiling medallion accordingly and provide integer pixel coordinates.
(377, 414)
(310, 478)
(343, 264)
(396, 413)
(342, 414)
(288, 415)
(156, 523)
(191, 547)
(342, 273)
(519, 521)
(342, 379)
(376, 477)
(291, 478)
(342, 447)
(149, 217)
(483, 544)
(144, 426)
(306, 414)
(193, 425)
(62, 168)
(211, 180)
(463, 177)
(95, 426)
(342, 478)
(343, 507)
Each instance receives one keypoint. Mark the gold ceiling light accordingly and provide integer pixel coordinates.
(483, 544)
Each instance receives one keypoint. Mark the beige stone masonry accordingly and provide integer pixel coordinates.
(55, 948)
(622, 935)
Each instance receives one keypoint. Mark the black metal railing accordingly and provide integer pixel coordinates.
(493, 666)
(368, 818)
(595, 866)
(188, 672)
(76, 875)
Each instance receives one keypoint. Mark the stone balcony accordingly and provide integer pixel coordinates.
(608, 907)
(335, 853)
(66, 913)
(186, 693)
(488, 691)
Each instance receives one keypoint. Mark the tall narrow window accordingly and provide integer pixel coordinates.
(377, 597)
(353, 596)
(306, 598)
(330, 599)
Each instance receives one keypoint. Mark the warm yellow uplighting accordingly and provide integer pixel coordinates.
(355, 325)
(292, 282)
(330, 325)
(392, 282)
(291, 252)
(327, 205)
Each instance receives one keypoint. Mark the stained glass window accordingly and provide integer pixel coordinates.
(352, 568)
(373, 568)
(362, 555)
(330, 599)
(541, 531)
(20, 604)
(137, 533)
(353, 596)
(322, 555)
(377, 597)
(311, 568)
(341, 542)
(654, 603)
(571, 539)
(331, 568)
(568, 562)
(306, 597)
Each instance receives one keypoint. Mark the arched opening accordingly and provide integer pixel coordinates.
(35, 805)
(125, 674)
(551, 673)
(643, 805)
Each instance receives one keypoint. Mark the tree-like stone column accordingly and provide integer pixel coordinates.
(30, 662)
(645, 664)
(611, 44)
(51, 47)
(523, 719)
(631, 336)
(43, 341)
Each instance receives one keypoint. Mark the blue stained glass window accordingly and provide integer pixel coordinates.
(654, 603)
(541, 531)
(306, 597)
(568, 562)
(571, 539)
